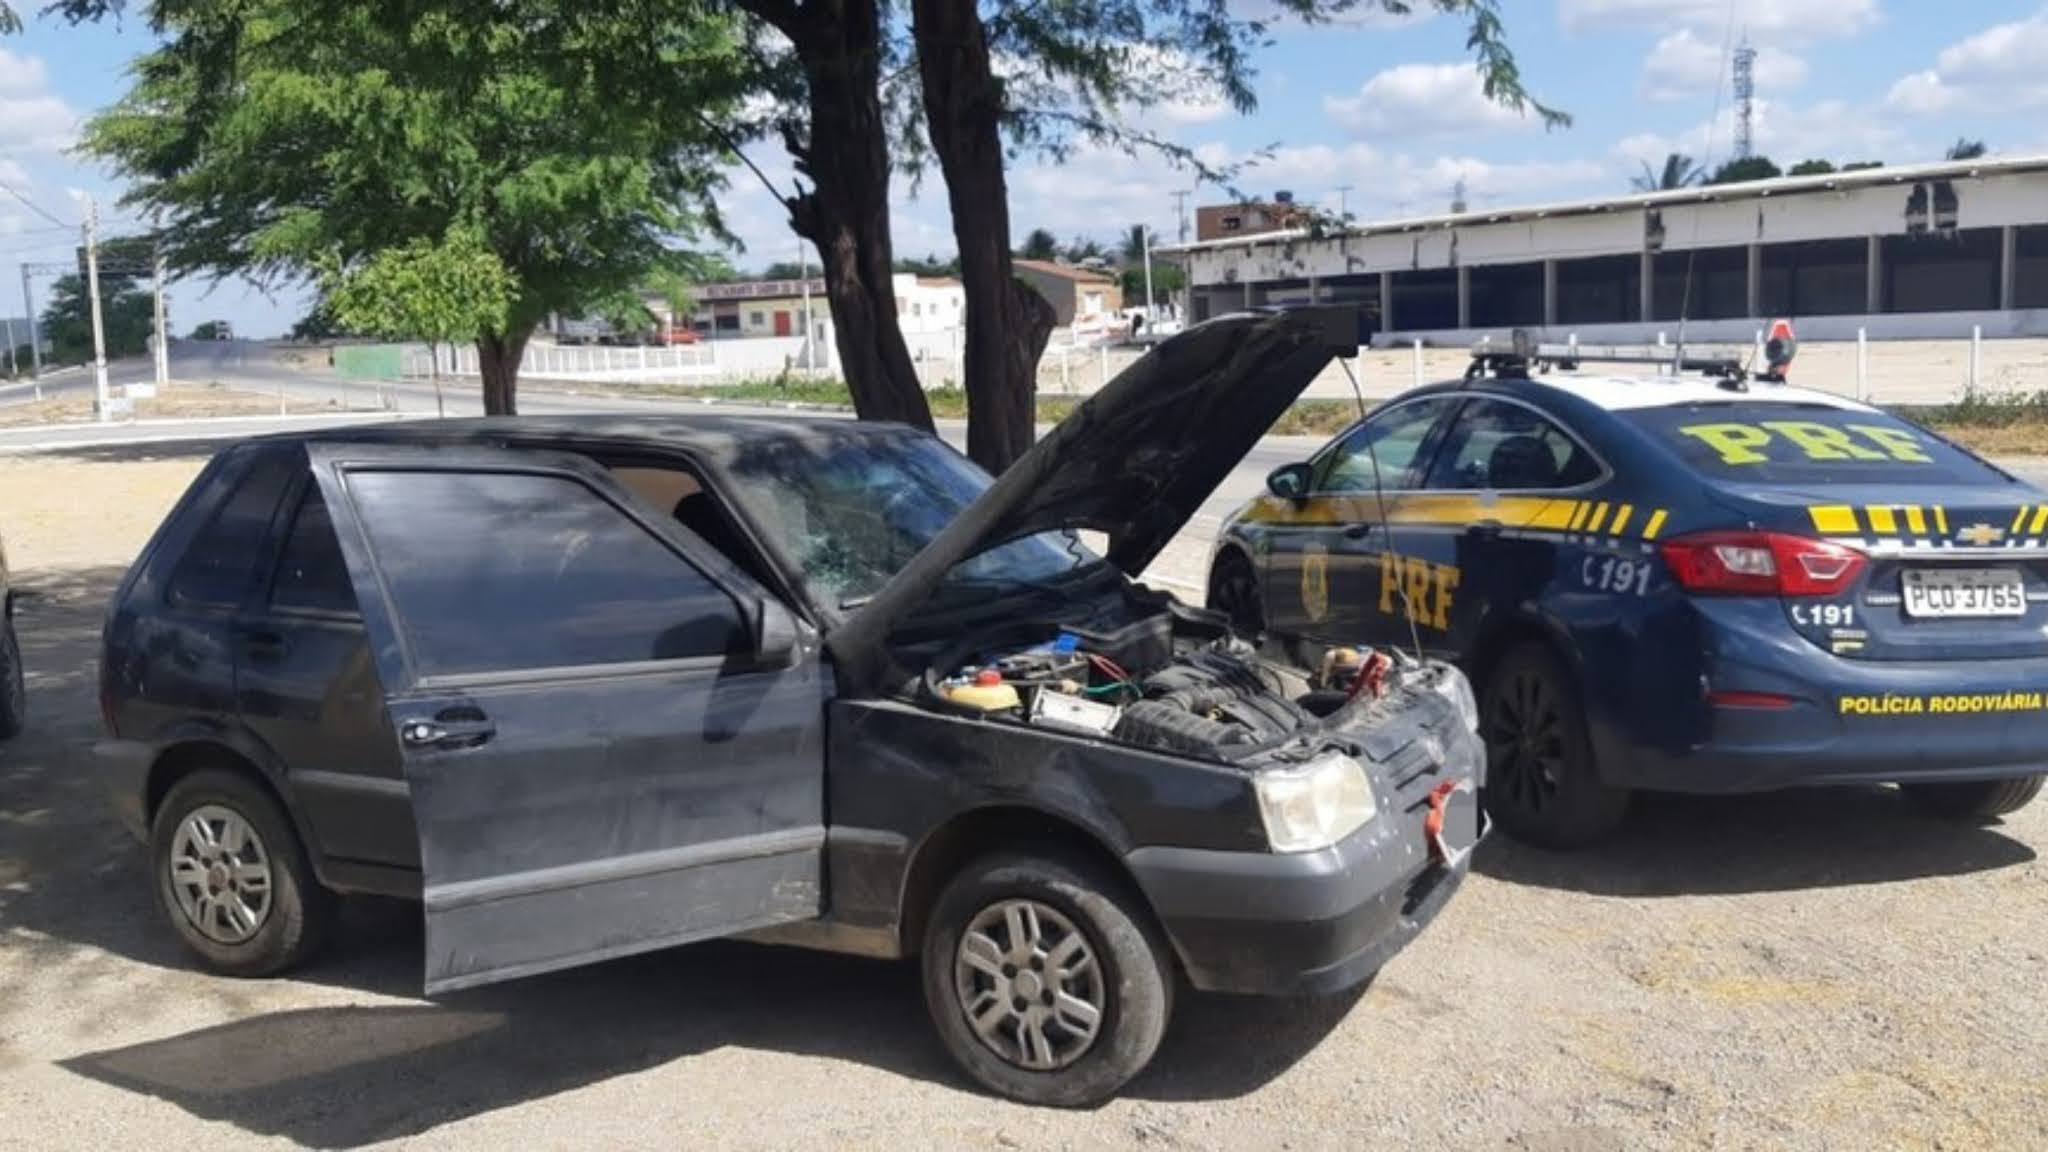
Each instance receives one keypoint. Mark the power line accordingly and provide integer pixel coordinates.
(32, 206)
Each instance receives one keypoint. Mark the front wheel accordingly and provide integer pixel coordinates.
(1975, 800)
(1047, 981)
(1541, 783)
(13, 683)
(1234, 591)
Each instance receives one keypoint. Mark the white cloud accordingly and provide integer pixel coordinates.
(1416, 100)
(1684, 65)
(1800, 19)
(1999, 68)
(1830, 130)
(32, 119)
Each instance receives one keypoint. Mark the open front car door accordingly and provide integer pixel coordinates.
(611, 741)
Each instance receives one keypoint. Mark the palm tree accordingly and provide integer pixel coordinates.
(1966, 149)
(1132, 247)
(1679, 172)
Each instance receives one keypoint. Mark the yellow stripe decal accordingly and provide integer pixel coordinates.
(2018, 518)
(1881, 520)
(1556, 515)
(1941, 520)
(1579, 516)
(1600, 517)
(1834, 519)
(1621, 519)
(1916, 520)
(2040, 519)
(1656, 523)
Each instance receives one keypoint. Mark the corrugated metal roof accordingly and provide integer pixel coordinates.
(1704, 194)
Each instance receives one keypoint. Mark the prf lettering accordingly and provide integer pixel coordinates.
(1428, 587)
(1746, 443)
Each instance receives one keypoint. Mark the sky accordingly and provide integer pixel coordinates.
(1388, 107)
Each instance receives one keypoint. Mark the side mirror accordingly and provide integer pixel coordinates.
(775, 635)
(1288, 482)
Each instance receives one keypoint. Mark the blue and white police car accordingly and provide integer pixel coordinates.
(1689, 581)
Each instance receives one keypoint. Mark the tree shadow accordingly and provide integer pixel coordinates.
(143, 451)
(1676, 845)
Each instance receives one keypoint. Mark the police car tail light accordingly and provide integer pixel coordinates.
(1761, 564)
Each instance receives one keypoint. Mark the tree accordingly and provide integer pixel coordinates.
(1167, 279)
(276, 138)
(450, 291)
(127, 314)
(1071, 73)
(1862, 165)
(1811, 168)
(1966, 149)
(318, 325)
(1131, 247)
(1747, 168)
(1679, 171)
(1040, 245)
(210, 330)
(784, 270)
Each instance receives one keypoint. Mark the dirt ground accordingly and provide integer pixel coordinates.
(1813, 970)
(176, 400)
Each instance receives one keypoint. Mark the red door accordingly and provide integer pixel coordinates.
(782, 324)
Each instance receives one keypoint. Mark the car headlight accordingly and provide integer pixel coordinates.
(1315, 805)
(1452, 686)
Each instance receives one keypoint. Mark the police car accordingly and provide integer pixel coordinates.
(1689, 581)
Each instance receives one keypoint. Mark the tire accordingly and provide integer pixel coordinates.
(1974, 800)
(1131, 988)
(288, 924)
(1234, 591)
(1541, 783)
(13, 685)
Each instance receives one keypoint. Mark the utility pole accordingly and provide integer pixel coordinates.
(803, 274)
(1145, 230)
(1344, 201)
(35, 344)
(163, 336)
(1180, 211)
(10, 348)
(99, 334)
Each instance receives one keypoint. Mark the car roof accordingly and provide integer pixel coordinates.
(716, 438)
(1623, 393)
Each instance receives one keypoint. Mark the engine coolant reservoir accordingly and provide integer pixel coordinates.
(984, 690)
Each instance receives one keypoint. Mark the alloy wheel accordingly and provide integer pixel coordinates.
(220, 873)
(1525, 741)
(1029, 984)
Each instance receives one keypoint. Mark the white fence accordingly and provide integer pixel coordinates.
(710, 362)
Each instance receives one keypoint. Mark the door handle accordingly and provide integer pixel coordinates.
(263, 642)
(438, 733)
(1359, 531)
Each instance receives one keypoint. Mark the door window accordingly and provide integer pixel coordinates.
(311, 575)
(1506, 447)
(1398, 439)
(220, 562)
(498, 571)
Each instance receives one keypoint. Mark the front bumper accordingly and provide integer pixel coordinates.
(124, 769)
(1312, 923)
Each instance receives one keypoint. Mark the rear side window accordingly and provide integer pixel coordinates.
(1506, 447)
(1777, 443)
(498, 572)
(311, 575)
(220, 561)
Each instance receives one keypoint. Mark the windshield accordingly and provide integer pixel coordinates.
(850, 511)
(1772, 442)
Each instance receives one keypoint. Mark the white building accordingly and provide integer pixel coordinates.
(928, 305)
(1927, 251)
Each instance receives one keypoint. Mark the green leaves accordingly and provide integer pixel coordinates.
(454, 290)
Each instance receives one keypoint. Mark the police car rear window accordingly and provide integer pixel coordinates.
(1779, 443)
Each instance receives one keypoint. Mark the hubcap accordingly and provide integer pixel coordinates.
(220, 874)
(1525, 742)
(1029, 984)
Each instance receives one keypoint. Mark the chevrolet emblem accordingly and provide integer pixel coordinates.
(1981, 534)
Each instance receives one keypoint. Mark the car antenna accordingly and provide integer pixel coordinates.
(1379, 495)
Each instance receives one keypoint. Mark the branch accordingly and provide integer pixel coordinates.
(732, 143)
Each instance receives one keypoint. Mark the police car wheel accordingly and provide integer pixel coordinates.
(1234, 591)
(1541, 784)
(1975, 799)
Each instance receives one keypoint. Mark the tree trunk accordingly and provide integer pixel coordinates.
(1007, 323)
(846, 212)
(497, 360)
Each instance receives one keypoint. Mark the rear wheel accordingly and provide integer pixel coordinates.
(1975, 799)
(232, 877)
(1541, 783)
(1234, 591)
(13, 686)
(1048, 982)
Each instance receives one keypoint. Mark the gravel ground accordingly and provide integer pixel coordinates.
(1812, 970)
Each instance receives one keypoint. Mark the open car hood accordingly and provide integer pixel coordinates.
(1133, 461)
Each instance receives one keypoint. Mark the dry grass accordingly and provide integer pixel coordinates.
(177, 401)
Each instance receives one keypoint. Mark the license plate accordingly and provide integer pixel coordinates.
(1932, 593)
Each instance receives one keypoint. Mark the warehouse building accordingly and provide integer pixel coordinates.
(1924, 252)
